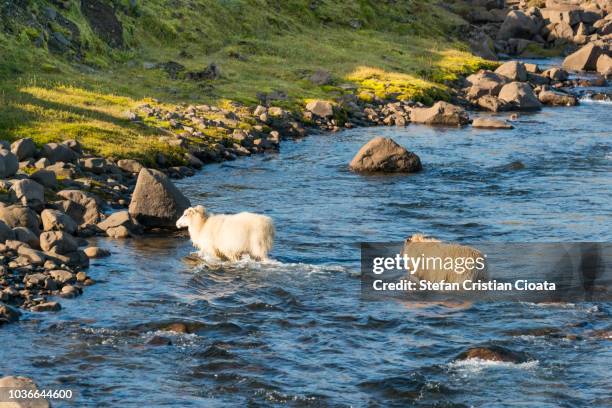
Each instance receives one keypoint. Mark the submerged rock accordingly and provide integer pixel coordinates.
(494, 353)
(385, 155)
(489, 123)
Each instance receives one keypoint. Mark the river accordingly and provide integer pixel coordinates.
(294, 331)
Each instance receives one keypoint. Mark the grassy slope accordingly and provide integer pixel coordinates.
(402, 47)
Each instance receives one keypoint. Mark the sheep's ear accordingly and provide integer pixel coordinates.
(200, 209)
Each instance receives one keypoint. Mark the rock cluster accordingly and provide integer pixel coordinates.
(518, 86)
(504, 28)
(52, 199)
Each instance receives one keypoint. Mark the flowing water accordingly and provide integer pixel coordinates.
(294, 331)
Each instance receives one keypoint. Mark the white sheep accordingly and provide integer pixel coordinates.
(229, 237)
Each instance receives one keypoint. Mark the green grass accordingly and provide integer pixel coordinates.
(405, 48)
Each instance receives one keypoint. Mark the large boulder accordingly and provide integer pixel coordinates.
(556, 98)
(25, 384)
(54, 220)
(20, 216)
(322, 109)
(9, 164)
(56, 152)
(517, 25)
(82, 207)
(28, 193)
(513, 70)
(520, 95)
(585, 59)
(58, 242)
(442, 113)
(385, 155)
(23, 148)
(484, 83)
(156, 202)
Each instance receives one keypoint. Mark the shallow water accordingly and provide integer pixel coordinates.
(295, 332)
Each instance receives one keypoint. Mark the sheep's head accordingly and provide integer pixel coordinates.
(190, 216)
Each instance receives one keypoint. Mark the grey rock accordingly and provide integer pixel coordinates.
(385, 155)
(156, 202)
(58, 242)
(29, 193)
(54, 220)
(24, 148)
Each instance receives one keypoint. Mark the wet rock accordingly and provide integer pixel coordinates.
(489, 123)
(47, 307)
(96, 252)
(159, 341)
(9, 164)
(441, 113)
(82, 207)
(58, 242)
(555, 98)
(585, 59)
(119, 232)
(513, 70)
(56, 152)
(320, 108)
(156, 202)
(24, 148)
(386, 156)
(8, 315)
(23, 234)
(520, 95)
(494, 353)
(45, 177)
(54, 220)
(29, 193)
(19, 216)
(178, 327)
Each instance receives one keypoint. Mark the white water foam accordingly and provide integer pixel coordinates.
(477, 365)
(588, 99)
(269, 265)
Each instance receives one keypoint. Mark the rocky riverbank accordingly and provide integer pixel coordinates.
(56, 196)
